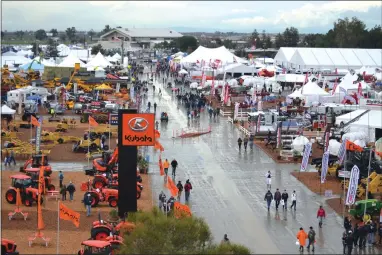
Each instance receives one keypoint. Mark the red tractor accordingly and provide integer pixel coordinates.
(34, 173)
(36, 162)
(95, 247)
(24, 183)
(103, 195)
(8, 247)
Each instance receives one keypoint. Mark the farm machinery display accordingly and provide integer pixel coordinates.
(24, 183)
(37, 161)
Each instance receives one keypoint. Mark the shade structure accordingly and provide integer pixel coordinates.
(311, 88)
(103, 87)
(99, 60)
(212, 54)
(70, 61)
(5, 110)
(296, 94)
(117, 56)
(34, 66)
(183, 71)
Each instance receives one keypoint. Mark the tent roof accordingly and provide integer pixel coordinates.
(34, 66)
(6, 110)
(70, 61)
(284, 54)
(371, 119)
(296, 93)
(311, 88)
(289, 77)
(207, 54)
(99, 60)
(333, 57)
(349, 83)
(117, 56)
(9, 53)
(237, 68)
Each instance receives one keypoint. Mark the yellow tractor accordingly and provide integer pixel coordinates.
(7, 135)
(103, 129)
(87, 146)
(62, 127)
(375, 185)
(57, 137)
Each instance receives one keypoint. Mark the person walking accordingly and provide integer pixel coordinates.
(284, 197)
(88, 204)
(166, 165)
(61, 178)
(362, 230)
(294, 200)
(269, 179)
(277, 198)
(180, 189)
(155, 107)
(225, 239)
(71, 189)
(321, 215)
(251, 138)
(301, 237)
(380, 233)
(174, 164)
(63, 193)
(162, 199)
(347, 223)
(11, 158)
(103, 140)
(149, 105)
(239, 142)
(6, 158)
(187, 190)
(311, 238)
(245, 142)
(268, 197)
(355, 235)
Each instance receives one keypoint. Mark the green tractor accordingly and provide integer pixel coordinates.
(373, 208)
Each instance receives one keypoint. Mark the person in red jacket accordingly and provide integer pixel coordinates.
(321, 214)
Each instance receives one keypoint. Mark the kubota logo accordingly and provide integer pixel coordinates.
(135, 138)
(138, 124)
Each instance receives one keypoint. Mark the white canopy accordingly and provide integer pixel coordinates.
(6, 110)
(117, 56)
(296, 94)
(349, 83)
(11, 60)
(237, 68)
(311, 88)
(95, 68)
(70, 61)
(179, 53)
(183, 72)
(9, 53)
(298, 78)
(99, 60)
(211, 54)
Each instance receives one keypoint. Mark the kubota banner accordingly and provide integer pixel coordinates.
(181, 210)
(350, 146)
(70, 215)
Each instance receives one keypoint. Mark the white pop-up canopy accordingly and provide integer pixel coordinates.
(311, 88)
(296, 94)
(290, 77)
(212, 54)
(5, 110)
(99, 60)
(70, 61)
(117, 56)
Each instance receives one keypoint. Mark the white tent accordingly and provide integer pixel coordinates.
(24, 53)
(117, 56)
(237, 68)
(99, 60)
(349, 83)
(9, 53)
(183, 72)
(5, 110)
(311, 88)
(296, 93)
(284, 55)
(70, 61)
(297, 78)
(211, 54)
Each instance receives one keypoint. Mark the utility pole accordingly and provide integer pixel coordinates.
(122, 50)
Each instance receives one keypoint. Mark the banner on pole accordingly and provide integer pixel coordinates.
(324, 167)
(305, 158)
(236, 113)
(353, 185)
(326, 141)
(70, 215)
(342, 151)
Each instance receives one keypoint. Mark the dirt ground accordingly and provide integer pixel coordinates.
(70, 236)
(313, 181)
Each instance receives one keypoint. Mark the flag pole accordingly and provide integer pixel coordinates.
(58, 228)
(109, 128)
(344, 194)
(89, 144)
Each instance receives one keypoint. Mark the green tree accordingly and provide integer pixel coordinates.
(106, 29)
(71, 33)
(54, 32)
(97, 48)
(310, 40)
(268, 42)
(374, 36)
(229, 44)
(291, 37)
(40, 34)
(279, 41)
(91, 33)
(63, 37)
(20, 34)
(187, 43)
(218, 42)
(156, 233)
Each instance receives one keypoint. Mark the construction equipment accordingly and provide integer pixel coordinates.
(375, 185)
(102, 129)
(6, 135)
(34, 174)
(87, 145)
(8, 247)
(333, 166)
(102, 230)
(24, 183)
(35, 163)
(105, 195)
(99, 117)
(58, 138)
(373, 208)
(99, 164)
(95, 247)
(62, 127)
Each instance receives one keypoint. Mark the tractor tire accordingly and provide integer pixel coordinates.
(28, 201)
(95, 198)
(138, 195)
(10, 196)
(100, 233)
(113, 202)
(98, 183)
(60, 140)
(51, 187)
(106, 147)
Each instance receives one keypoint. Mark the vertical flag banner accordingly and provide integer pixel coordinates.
(305, 158)
(353, 185)
(334, 87)
(278, 136)
(324, 167)
(236, 113)
(342, 151)
(132, 92)
(38, 135)
(258, 123)
(326, 141)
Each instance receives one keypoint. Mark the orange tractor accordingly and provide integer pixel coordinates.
(101, 230)
(105, 164)
(36, 162)
(111, 181)
(96, 247)
(24, 183)
(103, 195)
(34, 173)
(8, 247)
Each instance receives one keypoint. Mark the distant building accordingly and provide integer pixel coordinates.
(137, 38)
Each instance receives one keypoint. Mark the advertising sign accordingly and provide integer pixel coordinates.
(114, 119)
(324, 168)
(342, 151)
(138, 129)
(305, 158)
(353, 185)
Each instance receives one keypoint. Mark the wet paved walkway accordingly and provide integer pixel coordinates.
(229, 187)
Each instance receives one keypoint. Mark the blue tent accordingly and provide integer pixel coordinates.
(35, 66)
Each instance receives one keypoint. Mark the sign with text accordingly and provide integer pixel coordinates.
(138, 129)
(114, 119)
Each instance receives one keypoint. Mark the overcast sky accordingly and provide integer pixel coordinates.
(203, 16)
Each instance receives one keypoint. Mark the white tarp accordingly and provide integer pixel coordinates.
(334, 147)
(299, 143)
(297, 78)
(237, 68)
(6, 110)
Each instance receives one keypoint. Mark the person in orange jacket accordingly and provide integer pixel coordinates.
(166, 165)
(301, 237)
